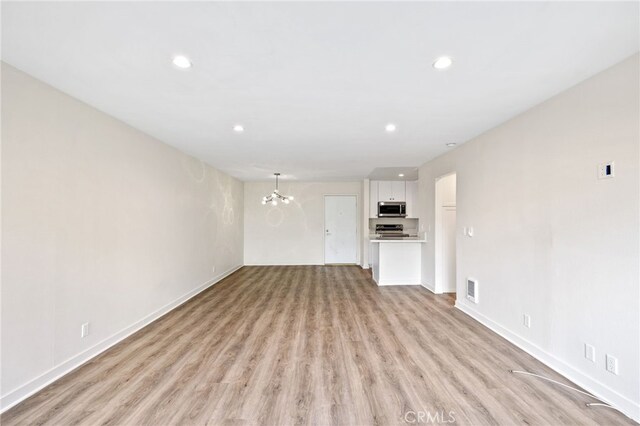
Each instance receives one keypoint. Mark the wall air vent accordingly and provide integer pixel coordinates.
(472, 290)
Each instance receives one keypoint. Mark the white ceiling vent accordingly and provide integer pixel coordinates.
(472, 290)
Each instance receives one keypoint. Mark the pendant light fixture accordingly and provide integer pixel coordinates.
(276, 195)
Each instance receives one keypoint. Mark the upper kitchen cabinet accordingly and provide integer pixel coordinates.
(412, 198)
(391, 190)
(386, 190)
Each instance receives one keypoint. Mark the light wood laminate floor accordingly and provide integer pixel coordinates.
(318, 345)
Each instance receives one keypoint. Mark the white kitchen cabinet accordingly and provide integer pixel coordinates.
(412, 198)
(396, 262)
(385, 191)
(391, 190)
(373, 199)
(399, 190)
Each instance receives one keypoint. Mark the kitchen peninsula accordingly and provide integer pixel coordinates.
(396, 261)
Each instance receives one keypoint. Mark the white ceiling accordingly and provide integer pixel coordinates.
(393, 173)
(315, 83)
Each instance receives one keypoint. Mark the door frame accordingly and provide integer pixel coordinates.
(443, 208)
(438, 285)
(324, 227)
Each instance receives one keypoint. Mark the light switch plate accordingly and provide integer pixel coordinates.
(84, 330)
(589, 352)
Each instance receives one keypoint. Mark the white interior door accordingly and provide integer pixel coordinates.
(340, 229)
(448, 249)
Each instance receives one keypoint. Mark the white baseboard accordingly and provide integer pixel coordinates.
(21, 393)
(428, 288)
(284, 264)
(630, 408)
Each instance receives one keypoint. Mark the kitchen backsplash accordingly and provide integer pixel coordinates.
(410, 225)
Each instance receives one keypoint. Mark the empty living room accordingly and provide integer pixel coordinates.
(320, 213)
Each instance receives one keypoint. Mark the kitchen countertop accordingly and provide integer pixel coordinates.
(398, 240)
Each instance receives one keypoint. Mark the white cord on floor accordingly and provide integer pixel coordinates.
(553, 381)
(589, 404)
(601, 404)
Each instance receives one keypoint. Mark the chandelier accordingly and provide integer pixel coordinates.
(276, 195)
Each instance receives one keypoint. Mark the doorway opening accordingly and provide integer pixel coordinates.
(445, 235)
(340, 229)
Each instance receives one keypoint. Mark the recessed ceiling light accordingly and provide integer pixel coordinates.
(450, 144)
(182, 62)
(401, 175)
(390, 127)
(442, 63)
(238, 128)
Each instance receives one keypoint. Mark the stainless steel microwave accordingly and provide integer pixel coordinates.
(392, 209)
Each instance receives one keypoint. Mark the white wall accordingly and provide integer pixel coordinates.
(102, 224)
(290, 234)
(364, 237)
(550, 239)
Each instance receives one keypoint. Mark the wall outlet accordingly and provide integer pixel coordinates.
(589, 352)
(84, 330)
(470, 231)
(612, 364)
(213, 270)
(526, 320)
